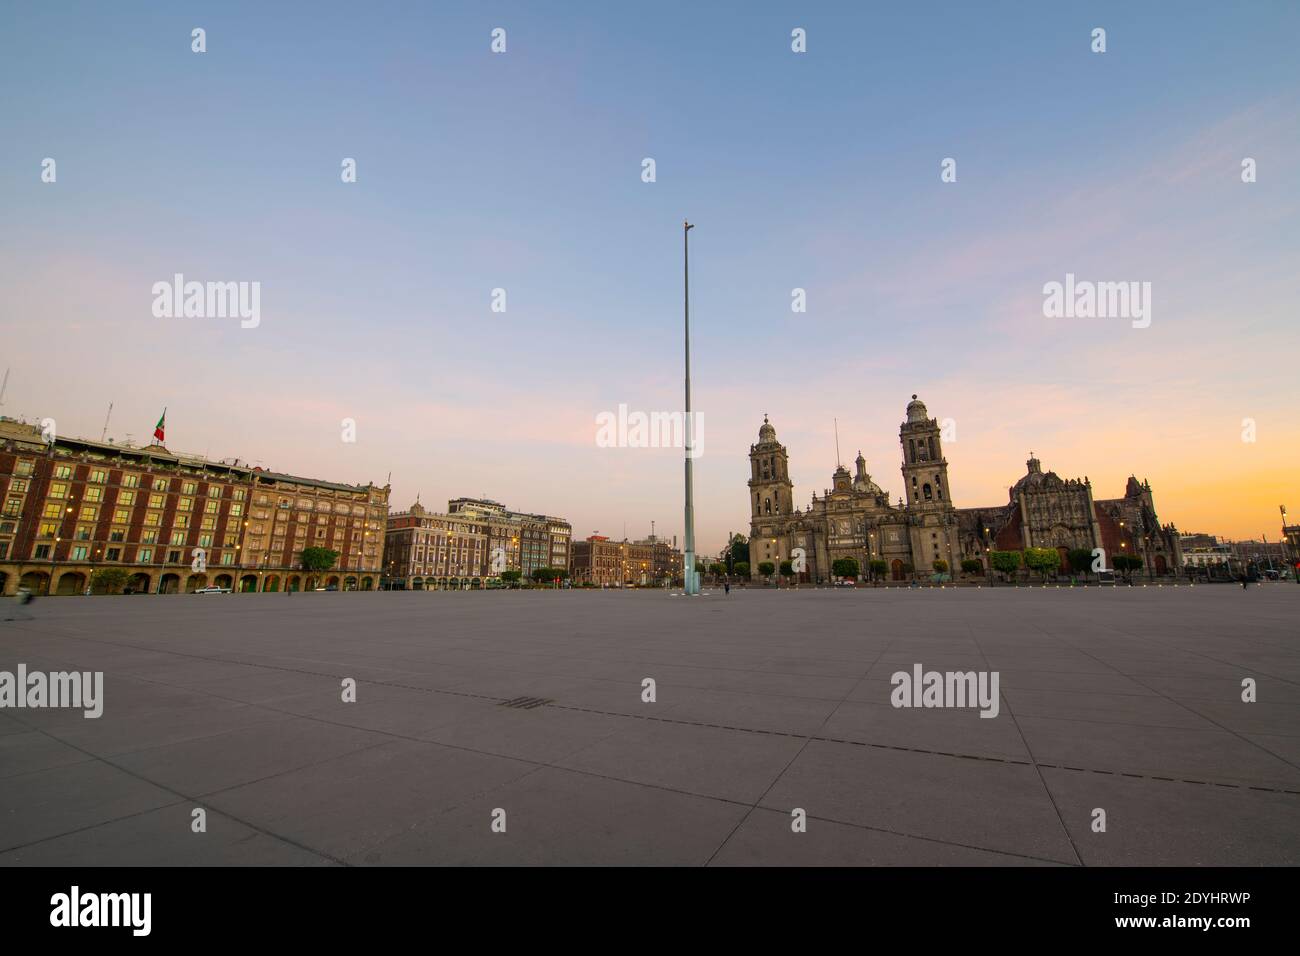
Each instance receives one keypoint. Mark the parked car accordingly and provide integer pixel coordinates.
(212, 589)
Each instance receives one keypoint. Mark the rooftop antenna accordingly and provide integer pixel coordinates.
(838, 463)
(104, 433)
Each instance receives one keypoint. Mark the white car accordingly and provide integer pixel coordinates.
(212, 589)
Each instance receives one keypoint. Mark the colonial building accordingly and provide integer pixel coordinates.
(855, 519)
(471, 545)
(173, 522)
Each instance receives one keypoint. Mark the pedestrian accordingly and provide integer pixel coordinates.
(726, 587)
(22, 597)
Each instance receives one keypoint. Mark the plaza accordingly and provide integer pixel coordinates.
(528, 708)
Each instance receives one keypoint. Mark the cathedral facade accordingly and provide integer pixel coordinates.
(855, 519)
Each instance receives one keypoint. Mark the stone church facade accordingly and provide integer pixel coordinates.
(855, 519)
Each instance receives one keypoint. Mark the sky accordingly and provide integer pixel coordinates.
(523, 171)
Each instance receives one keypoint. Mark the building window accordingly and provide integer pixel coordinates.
(62, 471)
(114, 554)
(79, 553)
(144, 556)
(99, 476)
(131, 481)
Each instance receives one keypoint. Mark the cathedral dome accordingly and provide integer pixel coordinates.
(916, 411)
(767, 432)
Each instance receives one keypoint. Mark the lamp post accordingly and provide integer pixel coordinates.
(689, 584)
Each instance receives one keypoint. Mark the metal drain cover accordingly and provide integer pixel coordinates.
(527, 703)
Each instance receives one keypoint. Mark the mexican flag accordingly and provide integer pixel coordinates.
(158, 429)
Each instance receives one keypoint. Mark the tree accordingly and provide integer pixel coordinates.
(1008, 562)
(109, 580)
(845, 568)
(542, 574)
(879, 569)
(511, 577)
(736, 552)
(766, 568)
(1080, 561)
(972, 566)
(318, 559)
(741, 569)
(1127, 564)
(787, 569)
(940, 566)
(717, 569)
(1043, 560)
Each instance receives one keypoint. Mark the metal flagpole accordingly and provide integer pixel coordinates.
(690, 584)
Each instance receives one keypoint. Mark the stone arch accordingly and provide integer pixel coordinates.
(896, 569)
(294, 583)
(195, 582)
(367, 584)
(224, 581)
(37, 582)
(272, 583)
(170, 583)
(71, 582)
(140, 583)
(248, 584)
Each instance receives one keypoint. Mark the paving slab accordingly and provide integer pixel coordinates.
(765, 700)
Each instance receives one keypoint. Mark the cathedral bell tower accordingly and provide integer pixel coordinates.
(925, 470)
(933, 520)
(771, 493)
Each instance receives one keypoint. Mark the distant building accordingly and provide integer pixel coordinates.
(173, 522)
(471, 545)
(1205, 551)
(855, 519)
(602, 562)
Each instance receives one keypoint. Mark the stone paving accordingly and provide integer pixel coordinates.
(1123, 699)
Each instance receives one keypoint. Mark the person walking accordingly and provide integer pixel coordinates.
(22, 598)
(726, 587)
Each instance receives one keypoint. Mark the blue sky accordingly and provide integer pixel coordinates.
(522, 171)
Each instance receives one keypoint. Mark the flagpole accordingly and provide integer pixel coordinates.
(688, 581)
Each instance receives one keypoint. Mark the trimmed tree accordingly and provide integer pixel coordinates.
(741, 569)
(972, 566)
(846, 568)
(766, 568)
(787, 569)
(940, 566)
(318, 559)
(1043, 560)
(1080, 561)
(511, 577)
(109, 580)
(1007, 562)
(879, 569)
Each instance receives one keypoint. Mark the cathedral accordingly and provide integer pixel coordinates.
(855, 519)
